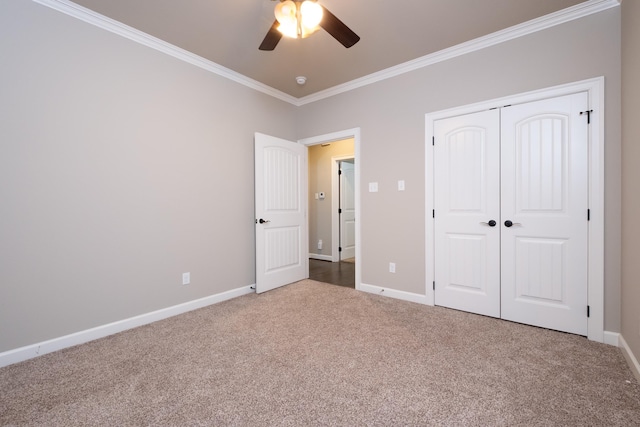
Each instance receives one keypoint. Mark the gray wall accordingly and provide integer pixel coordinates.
(120, 168)
(631, 175)
(320, 180)
(391, 113)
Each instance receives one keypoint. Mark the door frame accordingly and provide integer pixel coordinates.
(595, 270)
(335, 204)
(338, 136)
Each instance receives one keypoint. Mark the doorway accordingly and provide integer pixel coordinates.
(325, 234)
(332, 212)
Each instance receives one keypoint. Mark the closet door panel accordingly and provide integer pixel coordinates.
(544, 184)
(467, 198)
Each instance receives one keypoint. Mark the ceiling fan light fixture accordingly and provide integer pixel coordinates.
(289, 30)
(311, 15)
(298, 19)
(286, 13)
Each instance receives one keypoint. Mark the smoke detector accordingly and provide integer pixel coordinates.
(301, 80)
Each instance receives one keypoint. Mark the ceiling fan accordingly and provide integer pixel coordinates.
(300, 19)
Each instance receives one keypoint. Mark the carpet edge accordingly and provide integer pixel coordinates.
(31, 351)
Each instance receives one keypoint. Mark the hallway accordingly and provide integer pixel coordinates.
(336, 273)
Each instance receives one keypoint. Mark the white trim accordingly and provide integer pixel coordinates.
(49, 346)
(337, 136)
(392, 293)
(631, 358)
(595, 90)
(612, 338)
(544, 22)
(335, 204)
(87, 15)
(321, 257)
(560, 17)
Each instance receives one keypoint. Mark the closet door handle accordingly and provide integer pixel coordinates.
(263, 221)
(491, 223)
(508, 223)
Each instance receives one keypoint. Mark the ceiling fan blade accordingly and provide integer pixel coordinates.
(272, 38)
(338, 29)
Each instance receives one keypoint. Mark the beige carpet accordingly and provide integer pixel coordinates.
(317, 354)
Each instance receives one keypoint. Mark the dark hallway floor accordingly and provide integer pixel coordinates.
(337, 273)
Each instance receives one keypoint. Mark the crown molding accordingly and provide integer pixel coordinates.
(560, 17)
(79, 12)
(569, 14)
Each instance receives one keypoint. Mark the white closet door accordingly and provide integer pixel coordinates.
(466, 199)
(544, 194)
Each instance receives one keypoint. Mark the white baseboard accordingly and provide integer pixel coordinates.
(612, 338)
(321, 257)
(34, 350)
(631, 358)
(392, 293)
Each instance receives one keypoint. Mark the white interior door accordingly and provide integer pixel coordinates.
(544, 195)
(467, 212)
(347, 210)
(281, 212)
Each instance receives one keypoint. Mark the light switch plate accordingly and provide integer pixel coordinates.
(373, 187)
(401, 185)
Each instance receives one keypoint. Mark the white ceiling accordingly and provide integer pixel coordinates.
(228, 32)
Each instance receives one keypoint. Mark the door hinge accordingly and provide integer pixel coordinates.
(339, 171)
(588, 214)
(339, 211)
(340, 249)
(433, 140)
(588, 113)
(433, 214)
(434, 285)
(588, 311)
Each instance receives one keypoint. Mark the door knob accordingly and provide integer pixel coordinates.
(263, 221)
(508, 223)
(491, 223)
